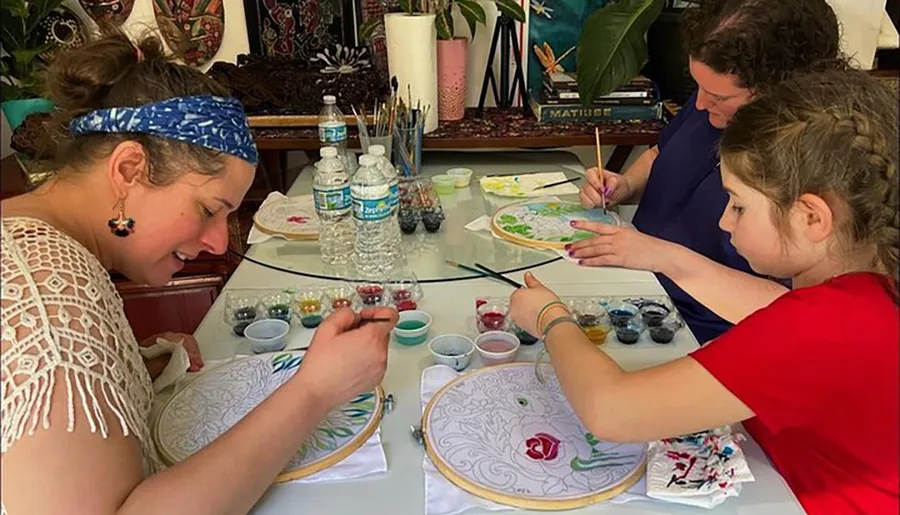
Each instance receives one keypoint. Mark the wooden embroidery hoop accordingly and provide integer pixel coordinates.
(537, 244)
(260, 223)
(291, 475)
(510, 500)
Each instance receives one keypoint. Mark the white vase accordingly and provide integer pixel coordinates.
(412, 58)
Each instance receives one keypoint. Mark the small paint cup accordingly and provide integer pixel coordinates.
(497, 347)
(241, 310)
(404, 292)
(630, 332)
(654, 313)
(412, 328)
(277, 306)
(444, 184)
(593, 320)
(665, 331)
(621, 312)
(267, 335)
(371, 294)
(342, 296)
(492, 316)
(310, 308)
(461, 176)
(453, 350)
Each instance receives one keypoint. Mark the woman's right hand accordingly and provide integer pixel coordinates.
(615, 188)
(345, 359)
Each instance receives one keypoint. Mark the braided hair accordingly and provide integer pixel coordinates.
(833, 134)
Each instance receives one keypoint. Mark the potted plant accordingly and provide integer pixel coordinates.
(452, 51)
(19, 63)
(612, 47)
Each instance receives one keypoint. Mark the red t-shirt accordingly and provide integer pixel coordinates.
(819, 368)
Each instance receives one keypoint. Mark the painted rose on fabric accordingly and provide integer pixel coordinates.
(542, 447)
(300, 220)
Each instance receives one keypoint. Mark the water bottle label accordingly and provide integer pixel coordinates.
(371, 209)
(333, 133)
(332, 200)
(395, 195)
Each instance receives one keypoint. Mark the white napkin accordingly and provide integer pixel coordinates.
(703, 469)
(178, 364)
(443, 497)
(368, 460)
(524, 186)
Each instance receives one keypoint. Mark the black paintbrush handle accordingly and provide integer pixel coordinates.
(496, 275)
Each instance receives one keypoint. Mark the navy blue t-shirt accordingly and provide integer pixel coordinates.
(683, 202)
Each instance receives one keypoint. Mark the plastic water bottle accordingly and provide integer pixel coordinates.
(331, 194)
(370, 193)
(384, 165)
(333, 132)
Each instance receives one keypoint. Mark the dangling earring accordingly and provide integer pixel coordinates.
(121, 226)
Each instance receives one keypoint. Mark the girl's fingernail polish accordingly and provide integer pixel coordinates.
(571, 253)
(568, 246)
(580, 261)
(572, 223)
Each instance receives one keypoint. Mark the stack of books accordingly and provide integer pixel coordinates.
(559, 101)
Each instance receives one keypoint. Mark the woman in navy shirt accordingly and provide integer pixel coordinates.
(737, 50)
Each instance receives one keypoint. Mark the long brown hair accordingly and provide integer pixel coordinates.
(114, 72)
(833, 134)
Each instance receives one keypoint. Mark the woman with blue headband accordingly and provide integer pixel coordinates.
(155, 158)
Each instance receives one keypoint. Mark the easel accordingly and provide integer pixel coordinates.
(505, 31)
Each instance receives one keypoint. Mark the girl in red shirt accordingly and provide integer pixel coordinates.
(811, 172)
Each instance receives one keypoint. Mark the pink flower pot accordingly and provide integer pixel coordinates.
(451, 71)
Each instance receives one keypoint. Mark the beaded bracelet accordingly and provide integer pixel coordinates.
(546, 308)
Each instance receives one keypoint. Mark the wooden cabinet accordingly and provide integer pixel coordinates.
(177, 307)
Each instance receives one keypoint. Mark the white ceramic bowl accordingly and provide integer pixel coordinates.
(462, 176)
(412, 336)
(453, 350)
(491, 356)
(267, 335)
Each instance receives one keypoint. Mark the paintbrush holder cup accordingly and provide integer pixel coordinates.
(385, 141)
(407, 152)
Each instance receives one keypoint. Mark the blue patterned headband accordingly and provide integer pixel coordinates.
(213, 122)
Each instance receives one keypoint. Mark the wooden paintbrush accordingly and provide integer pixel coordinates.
(557, 183)
(600, 168)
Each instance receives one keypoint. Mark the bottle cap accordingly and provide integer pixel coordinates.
(376, 150)
(329, 99)
(366, 160)
(328, 152)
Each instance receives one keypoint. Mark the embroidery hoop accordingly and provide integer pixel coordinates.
(271, 219)
(528, 242)
(523, 502)
(289, 474)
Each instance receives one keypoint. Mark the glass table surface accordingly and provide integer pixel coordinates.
(426, 253)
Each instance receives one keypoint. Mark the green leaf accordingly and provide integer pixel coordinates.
(406, 6)
(443, 22)
(24, 58)
(368, 28)
(473, 13)
(512, 9)
(37, 11)
(12, 92)
(612, 47)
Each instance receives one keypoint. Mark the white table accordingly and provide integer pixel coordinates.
(401, 491)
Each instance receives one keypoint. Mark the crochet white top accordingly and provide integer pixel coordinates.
(62, 319)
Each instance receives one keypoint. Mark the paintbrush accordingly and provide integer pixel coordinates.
(496, 275)
(600, 168)
(557, 183)
(482, 273)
